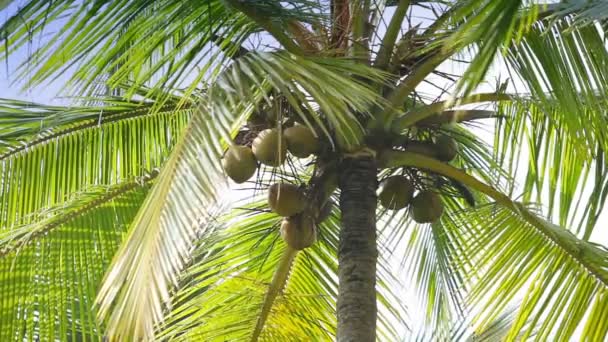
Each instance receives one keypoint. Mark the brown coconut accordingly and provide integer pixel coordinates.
(426, 207)
(269, 147)
(395, 192)
(446, 148)
(299, 231)
(239, 163)
(301, 141)
(286, 199)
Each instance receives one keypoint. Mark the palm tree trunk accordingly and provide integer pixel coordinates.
(357, 252)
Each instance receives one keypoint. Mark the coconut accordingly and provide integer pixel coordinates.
(422, 147)
(239, 163)
(426, 207)
(269, 148)
(396, 192)
(299, 231)
(446, 148)
(301, 142)
(325, 210)
(286, 199)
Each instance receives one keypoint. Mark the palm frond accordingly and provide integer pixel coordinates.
(560, 290)
(566, 67)
(560, 271)
(48, 287)
(54, 166)
(120, 42)
(225, 289)
(463, 329)
(52, 217)
(583, 12)
(490, 26)
(21, 121)
(66, 186)
(569, 177)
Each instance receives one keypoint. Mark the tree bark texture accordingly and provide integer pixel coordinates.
(357, 251)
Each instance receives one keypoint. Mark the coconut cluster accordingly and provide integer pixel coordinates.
(269, 147)
(298, 228)
(443, 148)
(397, 192)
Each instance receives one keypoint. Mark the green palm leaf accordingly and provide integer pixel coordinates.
(225, 288)
(517, 259)
(80, 152)
(49, 286)
(519, 250)
(64, 188)
(560, 169)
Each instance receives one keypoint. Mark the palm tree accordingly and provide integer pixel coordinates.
(117, 222)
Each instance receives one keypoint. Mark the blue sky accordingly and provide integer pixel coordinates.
(10, 84)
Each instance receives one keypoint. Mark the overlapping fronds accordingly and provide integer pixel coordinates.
(522, 257)
(514, 251)
(224, 290)
(66, 188)
(325, 83)
(490, 25)
(54, 166)
(427, 260)
(71, 177)
(227, 288)
(21, 121)
(157, 43)
(49, 287)
(584, 12)
(566, 68)
(161, 44)
(463, 330)
(567, 177)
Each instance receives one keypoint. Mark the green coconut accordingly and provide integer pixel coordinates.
(299, 231)
(325, 210)
(239, 163)
(301, 141)
(446, 147)
(269, 147)
(426, 207)
(395, 192)
(286, 199)
(422, 147)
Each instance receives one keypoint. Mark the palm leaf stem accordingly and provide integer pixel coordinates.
(18, 237)
(110, 117)
(390, 37)
(279, 280)
(413, 116)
